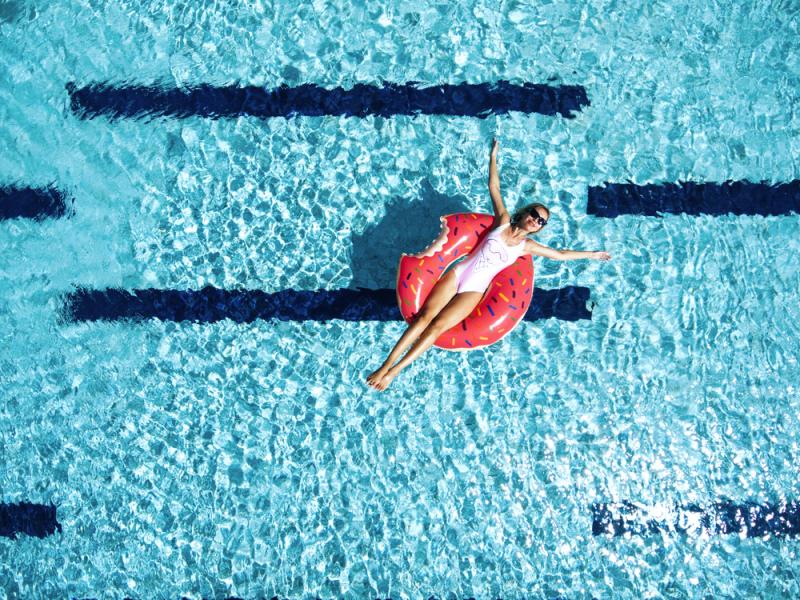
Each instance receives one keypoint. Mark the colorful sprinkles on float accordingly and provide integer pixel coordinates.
(502, 306)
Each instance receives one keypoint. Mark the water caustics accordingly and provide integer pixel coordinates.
(248, 460)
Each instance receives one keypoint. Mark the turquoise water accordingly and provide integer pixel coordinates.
(251, 460)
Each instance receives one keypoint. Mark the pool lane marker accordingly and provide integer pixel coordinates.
(211, 304)
(731, 197)
(36, 520)
(748, 519)
(389, 99)
(22, 202)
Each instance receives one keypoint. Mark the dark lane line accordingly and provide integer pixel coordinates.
(33, 203)
(724, 517)
(730, 197)
(463, 99)
(37, 520)
(210, 304)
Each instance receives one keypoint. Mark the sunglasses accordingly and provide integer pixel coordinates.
(537, 219)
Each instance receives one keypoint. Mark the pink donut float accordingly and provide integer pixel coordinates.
(502, 306)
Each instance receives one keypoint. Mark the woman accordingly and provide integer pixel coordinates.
(460, 290)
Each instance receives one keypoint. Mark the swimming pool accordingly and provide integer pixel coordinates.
(249, 459)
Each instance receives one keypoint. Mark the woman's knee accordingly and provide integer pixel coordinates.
(453, 314)
(438, 325)
(424, 316)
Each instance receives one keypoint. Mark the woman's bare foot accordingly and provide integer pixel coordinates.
(386, 379)
(376, 376)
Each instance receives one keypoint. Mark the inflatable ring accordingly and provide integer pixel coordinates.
(502, 306)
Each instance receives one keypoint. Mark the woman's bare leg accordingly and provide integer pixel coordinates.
(440, 295)
(456, 311)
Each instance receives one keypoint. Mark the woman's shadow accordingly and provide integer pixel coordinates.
(407, 227)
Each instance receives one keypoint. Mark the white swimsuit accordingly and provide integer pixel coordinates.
(475, 273)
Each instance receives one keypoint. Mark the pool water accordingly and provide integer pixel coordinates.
(251, 460)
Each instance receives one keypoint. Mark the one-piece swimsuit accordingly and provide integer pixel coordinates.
(475, 273)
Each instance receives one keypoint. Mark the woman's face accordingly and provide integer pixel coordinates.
(536, 219)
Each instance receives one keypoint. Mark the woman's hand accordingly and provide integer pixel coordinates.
(601, 255)
(495, 146)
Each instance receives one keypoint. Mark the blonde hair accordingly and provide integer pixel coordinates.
(529, 209)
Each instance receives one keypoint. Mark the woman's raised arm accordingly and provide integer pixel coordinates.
(500, 212)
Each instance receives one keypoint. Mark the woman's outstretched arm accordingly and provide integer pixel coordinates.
(500, 212)
(538, 249)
